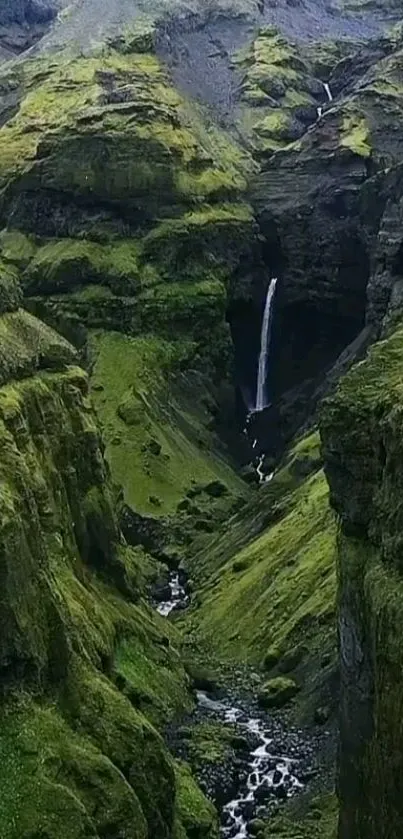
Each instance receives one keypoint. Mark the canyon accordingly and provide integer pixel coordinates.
(201, 292)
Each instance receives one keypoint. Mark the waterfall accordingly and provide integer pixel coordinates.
(328, 91)
(264, 348)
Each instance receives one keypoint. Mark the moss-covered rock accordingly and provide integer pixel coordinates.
(196, 814)
(271, 658)
(306, 818)
(277, 692)
(280, 91)
(10, 290)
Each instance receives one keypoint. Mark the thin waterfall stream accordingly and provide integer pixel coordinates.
(261, 390)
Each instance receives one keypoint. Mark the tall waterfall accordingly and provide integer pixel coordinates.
(328, 91)
(264, 348)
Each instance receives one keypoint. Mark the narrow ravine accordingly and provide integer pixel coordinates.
(277, 761)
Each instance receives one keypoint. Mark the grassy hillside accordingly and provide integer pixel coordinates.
(266, 584)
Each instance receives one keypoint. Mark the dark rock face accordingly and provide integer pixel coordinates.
(22, 22)
(330, 207)
(362, 445)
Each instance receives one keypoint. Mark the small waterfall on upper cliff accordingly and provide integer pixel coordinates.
(264, 348)
(328, 91)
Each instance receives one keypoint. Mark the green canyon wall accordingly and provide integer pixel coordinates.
(88, 671)
(361, 432)
(137, 237)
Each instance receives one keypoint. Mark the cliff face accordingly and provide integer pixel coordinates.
(87, 670)
(362, 444)
(329, 205)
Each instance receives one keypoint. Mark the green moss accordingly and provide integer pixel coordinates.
(208, 742)
(154, 677)
(268, 579)
(290, 573)
(306, 818)
(274, 125)
(16, 247)
(10, 290)
(86, 666)
(178, 243)
(196, 814)
(276, 89)
(355, 135)
(26, 344)
(362, 443)
(43, 766)
(277, 692)
(137, 406)
(61, 265)
(152, 142)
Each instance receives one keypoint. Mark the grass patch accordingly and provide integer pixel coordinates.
(188, 455)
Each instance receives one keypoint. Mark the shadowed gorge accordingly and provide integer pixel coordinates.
(201, 268)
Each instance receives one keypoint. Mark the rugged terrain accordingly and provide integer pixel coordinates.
(158, 166)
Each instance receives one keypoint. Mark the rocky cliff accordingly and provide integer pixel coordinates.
(362, 448)
(88, 671)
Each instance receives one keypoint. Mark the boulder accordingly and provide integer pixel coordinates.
(277, 692)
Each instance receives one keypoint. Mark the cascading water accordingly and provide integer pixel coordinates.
(264, 348)
(328, 91)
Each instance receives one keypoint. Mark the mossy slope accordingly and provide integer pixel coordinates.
(267, 584)
(87, 669)
(125, 214)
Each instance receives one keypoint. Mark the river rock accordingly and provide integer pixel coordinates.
(256, 826)
(271, 658)
(240, 743)
(263, 792)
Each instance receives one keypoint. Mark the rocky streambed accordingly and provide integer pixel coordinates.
(267, 762)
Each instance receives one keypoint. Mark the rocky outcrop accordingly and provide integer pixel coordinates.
(280, 93)
(362, 445)
(23, 22)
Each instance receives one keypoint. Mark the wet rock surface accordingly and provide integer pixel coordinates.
(172, 595)
(268, 763)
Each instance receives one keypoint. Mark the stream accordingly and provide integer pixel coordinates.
(268, 775)
(275, 762)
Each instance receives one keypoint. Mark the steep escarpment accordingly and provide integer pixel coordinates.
(361, 433)
(329, 205)
(82, 658)
(126, 219)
